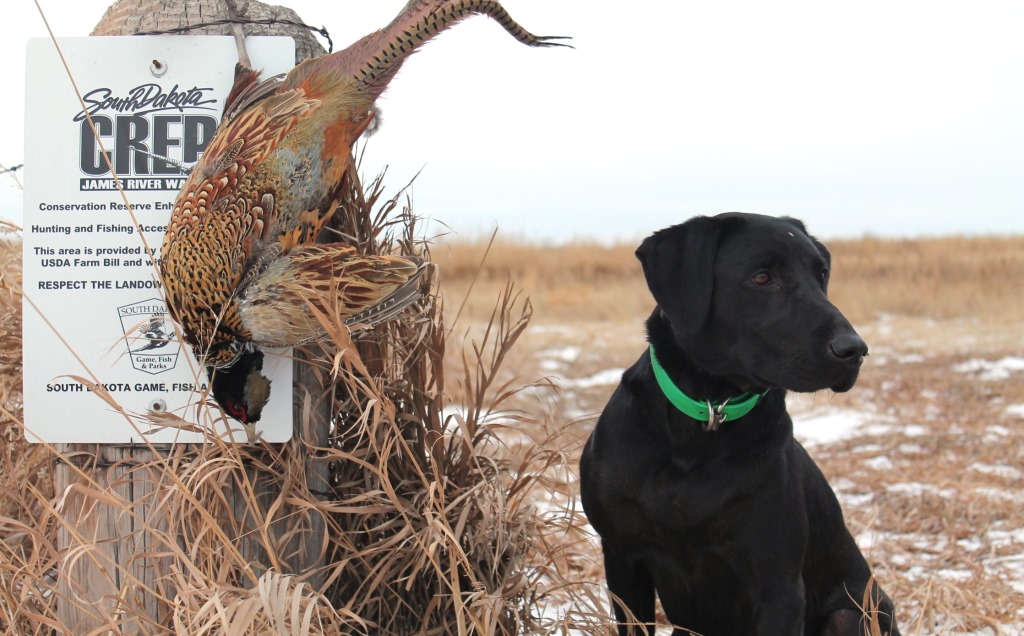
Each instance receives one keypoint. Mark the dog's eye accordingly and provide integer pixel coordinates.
(762, 278)
(824, 274)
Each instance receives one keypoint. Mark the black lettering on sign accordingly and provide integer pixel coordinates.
(132, 140)
(144, 131)
(145, 99)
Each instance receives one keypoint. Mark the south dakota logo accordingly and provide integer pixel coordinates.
(149, 334)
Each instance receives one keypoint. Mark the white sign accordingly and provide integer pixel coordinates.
(100, 349)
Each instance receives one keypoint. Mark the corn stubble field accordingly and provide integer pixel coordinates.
(925, 452)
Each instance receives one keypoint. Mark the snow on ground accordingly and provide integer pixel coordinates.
(1001, 470)
(828, 426)
(453, 417)
(990, 370)
(1002, 630)
(557, 359)
(1015, 410)
(608, 377)
(991, 552)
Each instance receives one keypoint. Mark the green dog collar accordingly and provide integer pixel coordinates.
(711, 415)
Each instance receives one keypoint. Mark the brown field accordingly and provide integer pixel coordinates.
(931, 481)
(932, 485)
(941, 278)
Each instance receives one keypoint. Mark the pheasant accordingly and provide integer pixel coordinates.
(239, 263)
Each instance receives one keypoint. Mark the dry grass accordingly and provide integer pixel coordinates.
(422, 525)
(450, 503)
(940, 278)
(23, 467)
(932, 489)
(591, 281)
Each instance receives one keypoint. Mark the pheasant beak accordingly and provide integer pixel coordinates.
(256, 396)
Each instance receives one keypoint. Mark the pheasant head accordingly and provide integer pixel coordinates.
(241, 389)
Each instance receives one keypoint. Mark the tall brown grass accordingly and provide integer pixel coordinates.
(590, 281)
(23, 467)
(427, 522)
(420, 525)
(950, 277)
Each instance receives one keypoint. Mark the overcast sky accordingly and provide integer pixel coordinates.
(893, 118)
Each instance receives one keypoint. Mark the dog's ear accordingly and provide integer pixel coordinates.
(825, 254)
(796, 223)
(818, 245)
(679, 264)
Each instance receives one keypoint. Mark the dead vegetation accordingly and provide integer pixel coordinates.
(938, 278)
(422, 525)
(450, 504)
(930, 487)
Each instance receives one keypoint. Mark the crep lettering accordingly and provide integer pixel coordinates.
(130, 128)
(132, 136)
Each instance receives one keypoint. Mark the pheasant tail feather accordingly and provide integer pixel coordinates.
(373, 61)
(404, 295)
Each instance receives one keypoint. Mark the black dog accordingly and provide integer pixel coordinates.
(692, 476)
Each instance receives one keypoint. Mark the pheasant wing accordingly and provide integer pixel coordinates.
(334, 279)
(220, 214)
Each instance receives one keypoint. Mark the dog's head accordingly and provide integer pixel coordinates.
(746, 296)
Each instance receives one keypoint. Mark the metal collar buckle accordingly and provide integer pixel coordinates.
(716, 416)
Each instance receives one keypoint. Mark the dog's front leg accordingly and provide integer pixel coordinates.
(782, 611)
(633, 593)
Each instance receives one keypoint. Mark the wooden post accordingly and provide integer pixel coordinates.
(89, 584)
(115, 545)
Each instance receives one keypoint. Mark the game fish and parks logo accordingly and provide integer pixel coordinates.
(149, 134)
(149, 335)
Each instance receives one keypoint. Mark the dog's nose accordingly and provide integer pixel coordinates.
(848, 347)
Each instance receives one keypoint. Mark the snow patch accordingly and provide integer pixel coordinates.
(454, 415)
(915, 430)
(879, 463)
(955, 575)
(992, 371)
(827, 427)
(999, 494)
(916, 489)
(1006, 472)
(451, 415)
(1014, 410)
(557, 358)
(601, 378)
(548, 365)
(565, 354)
(855, 500)
(555, 329)
(1004, 538)
(868, 539)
